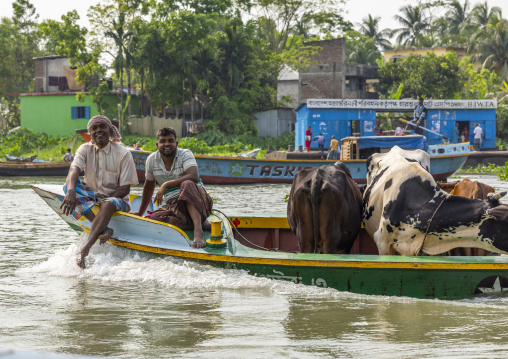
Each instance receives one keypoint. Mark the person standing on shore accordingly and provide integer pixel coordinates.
(69, 157)
(378, 130)
(308, 138)
(455, 134)
(478, 132)
(334, 147)
(321, 144)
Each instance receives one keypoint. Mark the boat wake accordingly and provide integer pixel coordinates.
(110, 263)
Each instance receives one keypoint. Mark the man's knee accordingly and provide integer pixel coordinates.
(108, 206)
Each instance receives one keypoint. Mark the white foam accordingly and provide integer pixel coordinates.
(110, 263)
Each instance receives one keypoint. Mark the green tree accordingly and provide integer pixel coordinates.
(229, 119)
(361, 49)
(490, 47)
(116, 20)
(370, 27)
(19, 44)
(482, 15)
(430, 76)
(414, 24)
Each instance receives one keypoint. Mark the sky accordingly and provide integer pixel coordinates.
(356, 9)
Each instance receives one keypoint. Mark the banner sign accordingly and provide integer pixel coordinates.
(402, 105)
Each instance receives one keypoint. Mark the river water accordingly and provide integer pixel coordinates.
(135, 305)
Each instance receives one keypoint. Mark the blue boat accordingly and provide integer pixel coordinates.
(445, 160)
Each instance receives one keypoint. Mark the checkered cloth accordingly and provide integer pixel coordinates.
(86, 199)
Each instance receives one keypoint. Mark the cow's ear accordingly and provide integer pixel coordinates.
(500, 212)
(496, 196)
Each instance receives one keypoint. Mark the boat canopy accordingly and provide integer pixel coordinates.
(406, 142)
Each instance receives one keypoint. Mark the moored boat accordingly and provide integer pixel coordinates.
(34, 168)
(419, 277)
(445, 160)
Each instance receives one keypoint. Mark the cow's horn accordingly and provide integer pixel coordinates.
(495, 197)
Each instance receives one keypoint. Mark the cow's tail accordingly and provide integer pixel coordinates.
(317, 183)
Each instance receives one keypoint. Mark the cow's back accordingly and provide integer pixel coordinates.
(322, 201)
(472, 189)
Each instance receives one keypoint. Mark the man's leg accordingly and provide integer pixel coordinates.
(106, 234)
(199, 242)
(98, 227)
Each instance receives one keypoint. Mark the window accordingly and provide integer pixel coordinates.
(80, 112)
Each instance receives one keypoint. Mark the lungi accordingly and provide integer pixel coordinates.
(86, 199)
(177, 207)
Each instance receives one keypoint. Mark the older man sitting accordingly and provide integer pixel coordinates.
(109, 174)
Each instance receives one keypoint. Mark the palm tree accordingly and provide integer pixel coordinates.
(364, 53)
(458, 17)
(491, 47)
(370, 27)
(414, 25)
(482, 15)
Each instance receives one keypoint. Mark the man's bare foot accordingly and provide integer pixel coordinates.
(106, 235)
(198, 242)
(80, 260)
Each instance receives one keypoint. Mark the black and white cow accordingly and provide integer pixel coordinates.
(402, 202)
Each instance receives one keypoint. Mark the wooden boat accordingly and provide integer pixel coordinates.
(445, 160)
(42, 169)
(20, 159)
(419, 277)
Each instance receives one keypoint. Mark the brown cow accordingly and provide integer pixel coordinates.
(469, 189)
(324, 209)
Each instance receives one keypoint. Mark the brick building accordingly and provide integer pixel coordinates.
(330, 78)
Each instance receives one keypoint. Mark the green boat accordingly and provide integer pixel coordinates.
(263, 245)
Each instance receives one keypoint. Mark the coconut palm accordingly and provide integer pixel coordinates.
(370, 27)
(414, 24)
(364, 53)
(482, 15)
(458, 17)
(491, 47)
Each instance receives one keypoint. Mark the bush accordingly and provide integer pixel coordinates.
(24, 142)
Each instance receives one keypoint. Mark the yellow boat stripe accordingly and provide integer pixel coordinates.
(312, 263)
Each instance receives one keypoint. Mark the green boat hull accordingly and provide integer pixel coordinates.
(426, 277)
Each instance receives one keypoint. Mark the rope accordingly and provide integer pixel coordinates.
(245, 239)
(420, 252)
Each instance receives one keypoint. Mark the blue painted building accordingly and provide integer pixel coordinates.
(344, 118)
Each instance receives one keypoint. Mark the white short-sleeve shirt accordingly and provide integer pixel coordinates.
(478, 132)
(155, 169)
(106, 168)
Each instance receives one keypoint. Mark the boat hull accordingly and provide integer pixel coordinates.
(40, 169)
(419, 277)
(236, 170)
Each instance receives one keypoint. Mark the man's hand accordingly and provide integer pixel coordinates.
(159, 197)
(69, 202)
(136, 213)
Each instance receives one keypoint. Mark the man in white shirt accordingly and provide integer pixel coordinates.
(109, 173)
(398, 130)
(187, 204)
(478, 132)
